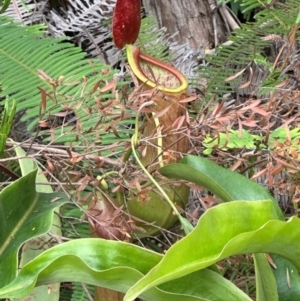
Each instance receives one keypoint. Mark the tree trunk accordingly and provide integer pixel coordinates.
(199, 23)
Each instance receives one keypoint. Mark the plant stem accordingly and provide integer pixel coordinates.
(184, 222)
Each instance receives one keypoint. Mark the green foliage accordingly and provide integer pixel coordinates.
(5, 4)
(229, 186)
(48, 77)
(25, 50)
(6, 122)
(249, 5)
(298, 19)
(25, 214)
(247, 233)
(250, 224)
(37, 70)
(37, 245)
(265, 279)
(236, 7)
(79, 294)
(286, 275)
(231, 140)
(282, 134)
(244, 48)
(152, 41)
(219, 180)
(93, 261)
(236, 140)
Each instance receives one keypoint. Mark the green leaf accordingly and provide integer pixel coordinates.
(114, 265)
(231, 140)
(226, 184)
(231, 228)
(34, 247)
(229, 186)
(26, 56)
(6, 121)
(266, 288)
(221, 181)
(24, 214)
(27, 165)
(44, 74)
(287, 279)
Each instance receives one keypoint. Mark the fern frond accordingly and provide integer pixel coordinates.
(88, 22)
(27, 11)
(79, 294)
(49, 75)
(248, 5)
(277, 20)
(23, 51)
(70, 83)
(245, 48)
(153, 40)
(229, 59)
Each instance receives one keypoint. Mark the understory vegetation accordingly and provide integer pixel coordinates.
(113, 189)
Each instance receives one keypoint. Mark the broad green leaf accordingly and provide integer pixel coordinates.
(116, 265)
(266, 288)
(287, 278)
(36, 246)
(27, 165)
(226, 184)
(229, 186)
(24, 214)
(231, 228)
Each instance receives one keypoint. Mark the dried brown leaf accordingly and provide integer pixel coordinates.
(252, 104)
(259, 173)
(110, 86)
(248, 83)
(260, 111)
(43, 75)
(43, 103)
(177, 124)
(273, 37)
(235, 76)
(277, 169)
(96, 86)
(250, 123)
(188, 99)
(288, 278)
(44, 124)
(61, 114)
(270, 260)
(286, 164)
(236, 164)
(161, 113)
(106, 219)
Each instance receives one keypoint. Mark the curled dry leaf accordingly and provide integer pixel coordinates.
(161, 113)
(177, 124)
(106, 220)
(110, 86)
(235, 75)
(43, 103)
(188, 99)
